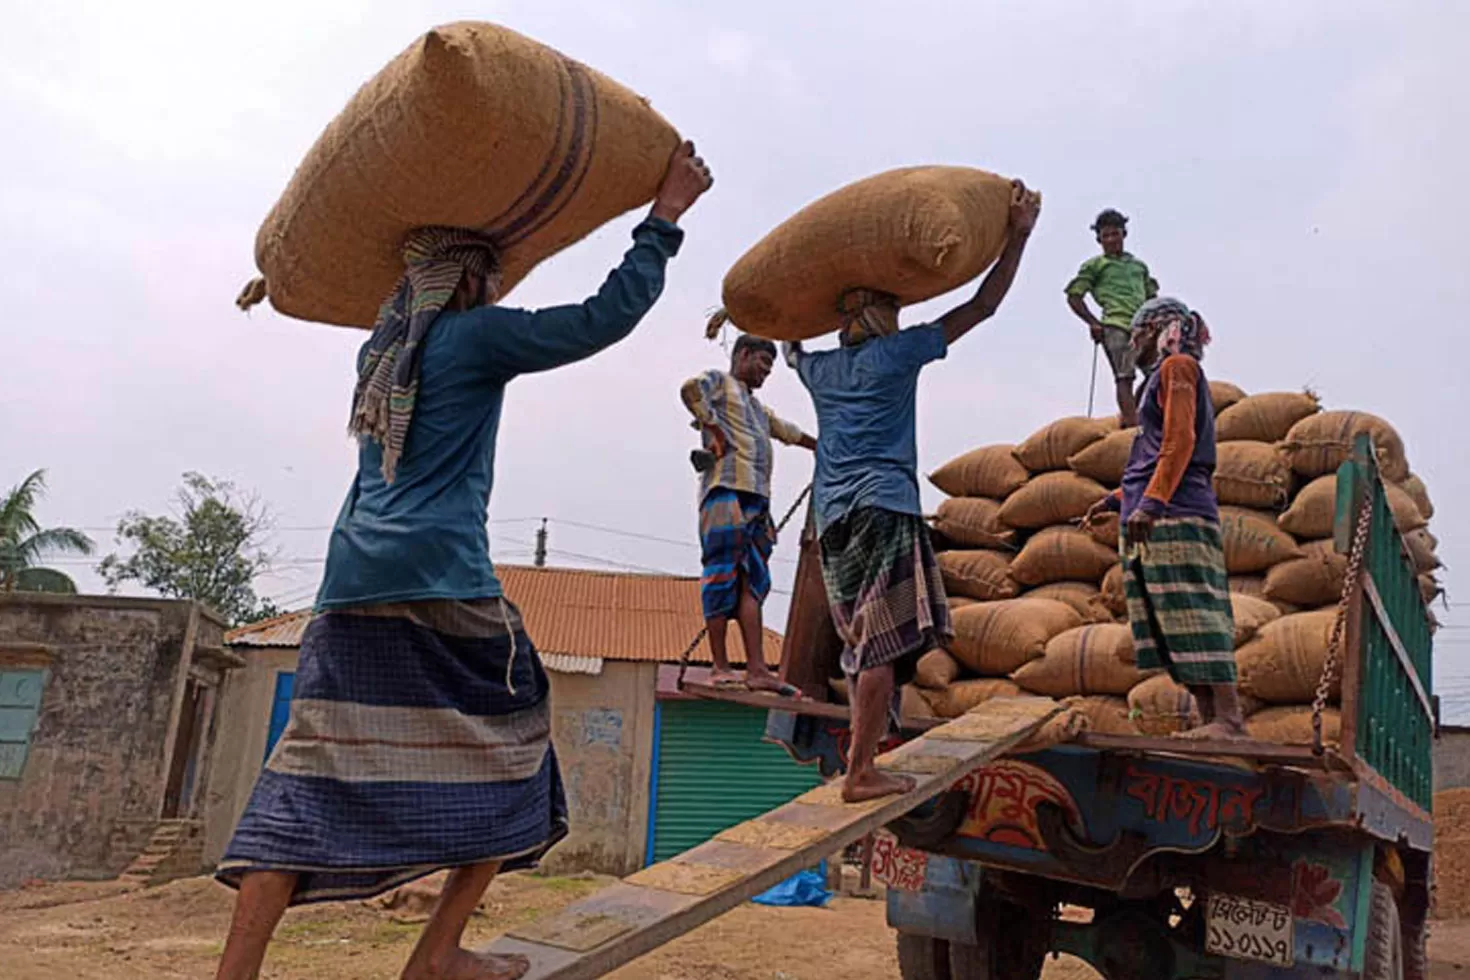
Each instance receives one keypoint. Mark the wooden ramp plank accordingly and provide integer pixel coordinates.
(771, 701)
(663, 901)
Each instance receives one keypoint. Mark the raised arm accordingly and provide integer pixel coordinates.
(1025, 207)
(521, 341)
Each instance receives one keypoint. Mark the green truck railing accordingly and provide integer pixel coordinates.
(1388, 715)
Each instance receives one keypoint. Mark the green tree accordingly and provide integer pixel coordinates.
(211, 548)
(24, 544)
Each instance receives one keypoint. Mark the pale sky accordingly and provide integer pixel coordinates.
(1293, 170)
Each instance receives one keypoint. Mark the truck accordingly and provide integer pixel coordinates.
(1157, 858)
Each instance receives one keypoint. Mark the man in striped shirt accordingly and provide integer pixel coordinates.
(735, 528)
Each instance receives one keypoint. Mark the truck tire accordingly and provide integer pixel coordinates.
(1383, 954)
(922, 957)
(1010, 947)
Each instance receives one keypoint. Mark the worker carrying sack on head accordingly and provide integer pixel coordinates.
(736, 533)
(1119, 283)
(883, 582)
(419, 734)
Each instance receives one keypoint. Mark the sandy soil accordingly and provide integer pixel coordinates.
(105, 931)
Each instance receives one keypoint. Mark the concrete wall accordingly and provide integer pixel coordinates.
(602, 727)
(244, 724)
(91, 791)
(1452, 758)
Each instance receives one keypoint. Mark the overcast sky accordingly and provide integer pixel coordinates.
(1294, 170)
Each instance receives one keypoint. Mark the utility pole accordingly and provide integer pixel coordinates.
(540, 559)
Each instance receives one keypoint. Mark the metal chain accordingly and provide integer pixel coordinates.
(704, 630)
(1339, 623)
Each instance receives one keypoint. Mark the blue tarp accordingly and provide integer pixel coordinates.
(803, 888)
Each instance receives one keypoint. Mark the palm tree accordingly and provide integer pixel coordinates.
(24, 543)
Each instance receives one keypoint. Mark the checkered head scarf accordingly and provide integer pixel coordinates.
(436, 260)
(1179, 329)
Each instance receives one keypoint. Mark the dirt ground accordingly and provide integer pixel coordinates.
(104, 931)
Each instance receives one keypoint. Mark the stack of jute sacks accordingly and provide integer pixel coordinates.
(473, 126)
(1039, 604)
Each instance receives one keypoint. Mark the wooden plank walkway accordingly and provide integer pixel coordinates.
(666, 900)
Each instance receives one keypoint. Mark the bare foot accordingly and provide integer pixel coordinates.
(873, 784)
(1215, 729)
(464, 965)
(725, 678)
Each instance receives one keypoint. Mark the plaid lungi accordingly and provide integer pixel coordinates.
(735, 536)
(1179, 602)
(419, 739)
(884, 586)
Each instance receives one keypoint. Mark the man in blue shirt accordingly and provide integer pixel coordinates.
(419, 736)
(883, 584)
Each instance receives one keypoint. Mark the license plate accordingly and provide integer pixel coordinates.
(897, 867)
(1249, 930)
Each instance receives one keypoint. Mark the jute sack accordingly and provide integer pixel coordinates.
(1113, 592)
(1283, 664)
(1252, 474)
(915, 233)
(1250, 614)
(1106, 715)
(1105, 529)
(1081, 596)
(990, 471)
(974, 522)
(1095, 659)
(961, 696)
(994, 638)
(936, 670)
(1429, 588)
(958, 602)
(1107, 458)
(1293, 725)
(1419, 493)
(1422, 548)
(1253, 542)
(1265, 418)
(1159, 706)
(1314, 579)
(979, 574)
(1312, 513)
(1061, 554)
(1051, 498)
(1223, 394)
(914, 702)
(1251, 585)
(1318, 445)
(472, 126)
(1049, 447)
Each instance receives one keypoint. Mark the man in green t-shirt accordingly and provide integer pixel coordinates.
(1119, 283)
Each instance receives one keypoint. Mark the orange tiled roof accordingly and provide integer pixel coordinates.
(578, 612)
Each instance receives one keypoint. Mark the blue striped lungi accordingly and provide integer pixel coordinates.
(419, 739)
(736, 536)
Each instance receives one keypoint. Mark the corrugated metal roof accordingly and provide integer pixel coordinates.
(580, 613)
(565, 663)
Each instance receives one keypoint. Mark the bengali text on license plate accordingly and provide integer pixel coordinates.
(1250, 930)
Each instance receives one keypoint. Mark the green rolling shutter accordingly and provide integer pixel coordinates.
(714, 771)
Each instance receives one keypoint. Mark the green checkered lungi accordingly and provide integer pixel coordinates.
(1179, 602)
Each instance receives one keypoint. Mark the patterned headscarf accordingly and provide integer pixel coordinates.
(1179, 329)
(436, 260)
(867, 313)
